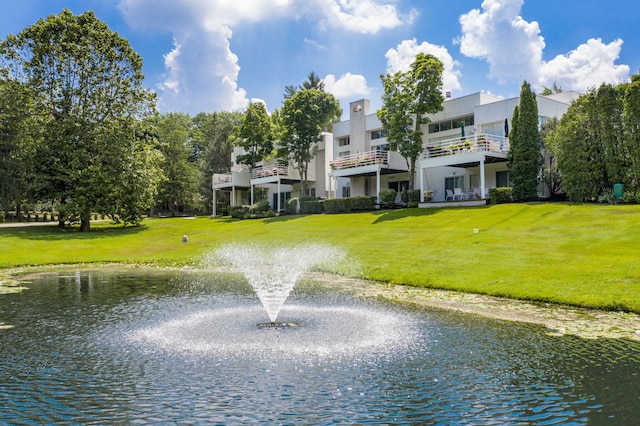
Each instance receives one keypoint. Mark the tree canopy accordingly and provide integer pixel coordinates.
(596, 142)
(303, 118)
(408, 97)
(85, 82)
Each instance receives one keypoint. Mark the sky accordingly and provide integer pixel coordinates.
(220, 55)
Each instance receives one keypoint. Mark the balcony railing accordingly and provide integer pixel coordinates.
(268, 171)
(220, 178)
(463, 145)
(361, 159)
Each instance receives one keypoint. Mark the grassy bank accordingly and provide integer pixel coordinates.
(583, 255)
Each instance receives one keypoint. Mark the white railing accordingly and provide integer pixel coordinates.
(220, 178)
(268, 171)
(462, 145)
(360, 159)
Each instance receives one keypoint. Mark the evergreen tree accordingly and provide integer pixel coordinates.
(524, 153)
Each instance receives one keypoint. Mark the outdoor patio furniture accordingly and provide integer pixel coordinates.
(449, 196)
(457, 194)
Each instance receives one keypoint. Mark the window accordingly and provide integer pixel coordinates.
(379, 134)
(474, 181)
(454, 182)
(455, 123)
(346, 191)
(502, 179)
(344, 154)
(344, 141)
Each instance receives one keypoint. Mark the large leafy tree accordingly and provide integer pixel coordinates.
(594, 142)
(303, 117)
(178, 190)
(408, 98)
(86, 83)
(525, 157)
(255, 135)
(631, 113)
(15, 141)
(211, 132)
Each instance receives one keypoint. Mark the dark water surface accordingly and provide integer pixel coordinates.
(151, 347)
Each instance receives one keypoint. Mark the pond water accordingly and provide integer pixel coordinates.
(149, 347)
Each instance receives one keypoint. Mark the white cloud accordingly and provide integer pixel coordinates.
(202, 71)
(588, 66)
(401, 58)
(347, 87)
(514, 49)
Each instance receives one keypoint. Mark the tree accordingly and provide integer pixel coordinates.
(211, 132)
(178, 190)
(86, 83)
(255, 136)
(303, 117)
(551, 176)
(578, 152)
(546, 91)
(313, 81)
(594, 143)
(408, 98)
(525, 158)
(15, 123)
(631, 113)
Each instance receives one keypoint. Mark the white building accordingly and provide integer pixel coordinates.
(465, 149)
(273, 179)
(465, 154)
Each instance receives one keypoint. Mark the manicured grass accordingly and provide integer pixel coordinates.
(583, 255)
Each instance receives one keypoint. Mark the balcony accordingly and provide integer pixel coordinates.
(231, 179)
(360, 160)
(481, 142)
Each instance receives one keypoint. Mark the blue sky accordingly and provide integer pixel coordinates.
(213, 55)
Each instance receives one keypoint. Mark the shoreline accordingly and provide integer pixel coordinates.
(558, 319)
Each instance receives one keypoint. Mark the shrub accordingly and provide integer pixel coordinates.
(259, 207)
(269, 213)
(428, 195)
(412, 204)
(1, 217)
(501, 195)
(363, 203)
(310, 207)
(292, 206)
(337, 205)
(307, 198)
(388, 197)
(238, 212)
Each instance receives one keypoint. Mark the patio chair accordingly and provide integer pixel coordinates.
(449, 196)
(457, 194)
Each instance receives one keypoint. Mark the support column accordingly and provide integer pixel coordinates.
(378, 185)
(278, 196)
(233, 195)
(421, 185)
(482, 180)
(213, 202)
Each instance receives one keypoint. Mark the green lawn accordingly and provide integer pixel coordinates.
(584, 255)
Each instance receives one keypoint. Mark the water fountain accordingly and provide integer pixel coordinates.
(273, 272)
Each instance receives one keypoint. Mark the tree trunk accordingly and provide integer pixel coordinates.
(85, 222)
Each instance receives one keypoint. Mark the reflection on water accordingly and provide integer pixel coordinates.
(158, 347)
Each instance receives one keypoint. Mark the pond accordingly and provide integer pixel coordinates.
(179, 347)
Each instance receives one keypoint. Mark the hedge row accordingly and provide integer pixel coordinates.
(346, 205)
(501, 195)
